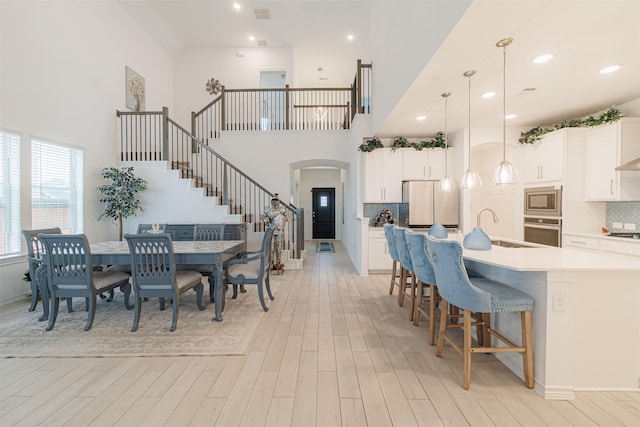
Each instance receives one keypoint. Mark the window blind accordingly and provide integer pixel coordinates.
(9, 193)
(56, 187)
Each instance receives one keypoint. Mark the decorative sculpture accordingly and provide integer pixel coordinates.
(276, 214)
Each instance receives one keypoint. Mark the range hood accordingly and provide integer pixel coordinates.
(633, 165)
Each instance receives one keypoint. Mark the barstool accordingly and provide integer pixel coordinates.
(407, 278)
(393, 252)
(478, 295)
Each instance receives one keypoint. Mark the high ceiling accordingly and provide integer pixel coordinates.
(583, 36)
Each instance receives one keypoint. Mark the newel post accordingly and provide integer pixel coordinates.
(286, 107)
(165, 133)
(299, 232)
(223, 109)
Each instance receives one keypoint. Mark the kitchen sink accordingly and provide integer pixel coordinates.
(505, 244)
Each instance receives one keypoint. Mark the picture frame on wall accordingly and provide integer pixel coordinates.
(134, 90)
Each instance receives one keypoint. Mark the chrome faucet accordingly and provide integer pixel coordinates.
(495, 217)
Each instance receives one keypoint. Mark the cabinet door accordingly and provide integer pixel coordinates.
(374, 175)
(437, 163)
(545, 159)
(601, 158)
(379, 258)
(392, 173)
(414, 164)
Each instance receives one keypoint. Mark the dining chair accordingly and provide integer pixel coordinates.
(407, 278)
(208, 232)
(35, 251)
(154, 274)
(478, 295)
(393, 253)
(70, 274)
(252, 267)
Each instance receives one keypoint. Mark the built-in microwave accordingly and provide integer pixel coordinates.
(543, 201)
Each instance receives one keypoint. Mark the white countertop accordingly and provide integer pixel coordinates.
(551, 259)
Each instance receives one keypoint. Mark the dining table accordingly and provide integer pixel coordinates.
(210, 252)
(214, 252)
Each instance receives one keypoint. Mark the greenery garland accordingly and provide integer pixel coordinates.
(370, 145)
(402, 142)
(609, 116)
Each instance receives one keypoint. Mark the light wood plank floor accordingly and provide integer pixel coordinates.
(334, 349)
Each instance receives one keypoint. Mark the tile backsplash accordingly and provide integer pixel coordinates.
(623, 212)
(373, 210)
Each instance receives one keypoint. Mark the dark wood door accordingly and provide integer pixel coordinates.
(324, 213)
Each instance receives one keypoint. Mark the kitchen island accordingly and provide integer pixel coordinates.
(586, 316)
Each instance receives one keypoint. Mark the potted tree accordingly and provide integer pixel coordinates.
(119, 196)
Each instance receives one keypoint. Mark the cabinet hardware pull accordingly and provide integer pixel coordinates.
(579, 242)
(611, 187)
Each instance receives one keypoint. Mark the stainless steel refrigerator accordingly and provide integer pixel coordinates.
(427, 205)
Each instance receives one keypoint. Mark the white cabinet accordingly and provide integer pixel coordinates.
(610, 245)
(383, 176)
(576, 241)
(379, 258)
(606, 147)
(428, 163)
(544, 159)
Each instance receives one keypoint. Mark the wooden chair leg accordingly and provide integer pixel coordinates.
(418, 305)
(413, 297)
(443, 328)
(432, 313)
(466, 352)
(403, 284)
(393, 277)
(527, 343)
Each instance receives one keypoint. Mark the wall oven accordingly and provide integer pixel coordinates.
(544, 201)
(545, 231)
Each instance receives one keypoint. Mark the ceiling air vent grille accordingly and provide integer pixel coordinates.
(262, 13)
(262, 43)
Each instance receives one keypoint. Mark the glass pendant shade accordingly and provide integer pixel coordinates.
(470, 179)
(506, 174)
(446, 184)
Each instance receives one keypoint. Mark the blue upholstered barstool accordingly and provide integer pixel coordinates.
(478, 295)
(407, 279)
(427, 290)
(393, 252)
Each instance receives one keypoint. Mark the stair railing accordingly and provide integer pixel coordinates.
(149, 136)
(284, 109)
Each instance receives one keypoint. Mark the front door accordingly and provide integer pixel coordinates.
(324, 213)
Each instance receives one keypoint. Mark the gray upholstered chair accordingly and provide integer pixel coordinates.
(154, 274)
(427, 291)
(70, 274)
(407, 279)
(35, 251)
(207, 232)
(482, 296)
(252, 268)
(393, 253)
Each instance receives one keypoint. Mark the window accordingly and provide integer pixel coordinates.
(56, 187)
(9, 193)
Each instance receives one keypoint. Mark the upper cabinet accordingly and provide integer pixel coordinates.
(545, 159)
(428, 163)
(383, 176)
(607, 147)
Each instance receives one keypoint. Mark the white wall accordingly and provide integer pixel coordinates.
(194, 67)
(62, 78)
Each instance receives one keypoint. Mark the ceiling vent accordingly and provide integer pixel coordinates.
(262, 13)
(262, 43)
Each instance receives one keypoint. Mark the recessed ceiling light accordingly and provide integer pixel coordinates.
(421, 118)
(542, 58)
(252, 38)
(510, 116)
(489, 94)
(349, 37)
(237, 5)
(609, 69)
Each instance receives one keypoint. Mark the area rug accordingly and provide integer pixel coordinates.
(21, 335)
(325, 247)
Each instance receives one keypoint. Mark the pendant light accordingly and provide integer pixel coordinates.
(470, 179)
(446, 183)
(505, 173)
